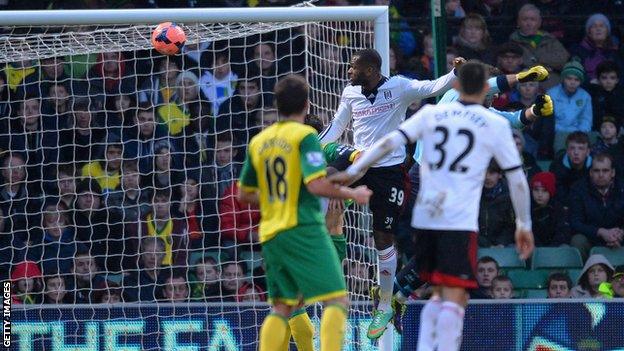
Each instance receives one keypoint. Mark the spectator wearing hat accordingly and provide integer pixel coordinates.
(539, 47)
(550, 227)
(596, 271)
(571, 165)
(614, 288)
(26, 283)
(573, 111)
(607, 94)
(597, 207)
(597, 46)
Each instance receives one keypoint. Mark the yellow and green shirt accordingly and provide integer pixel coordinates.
(282, 159)
(106, 181)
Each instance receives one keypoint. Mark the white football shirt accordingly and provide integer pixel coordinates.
(459, 140)
(381, 112)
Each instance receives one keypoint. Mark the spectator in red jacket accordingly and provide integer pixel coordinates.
(239, 223)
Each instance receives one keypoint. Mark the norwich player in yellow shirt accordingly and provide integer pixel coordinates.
(285, 173)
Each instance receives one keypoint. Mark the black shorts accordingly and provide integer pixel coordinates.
(389, 196)
(447, 258)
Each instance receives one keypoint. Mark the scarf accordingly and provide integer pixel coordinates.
(15, 76)
(175, 117)
(533, 40)
(165, 235)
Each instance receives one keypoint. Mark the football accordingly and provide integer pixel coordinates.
(168, 38)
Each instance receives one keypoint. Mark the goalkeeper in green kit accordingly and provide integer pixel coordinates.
(338, 158)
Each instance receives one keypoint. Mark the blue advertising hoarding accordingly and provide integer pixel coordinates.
(591, 325)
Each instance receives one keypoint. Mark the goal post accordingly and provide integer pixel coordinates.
(194, 112)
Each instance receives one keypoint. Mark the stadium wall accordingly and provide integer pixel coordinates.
(521, 325)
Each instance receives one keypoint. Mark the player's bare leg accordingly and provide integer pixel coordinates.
(274, 330)
(384, 243)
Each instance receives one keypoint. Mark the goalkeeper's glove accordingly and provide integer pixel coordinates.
(533, 74)
(543, 106)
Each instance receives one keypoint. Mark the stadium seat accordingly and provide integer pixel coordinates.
(556, 257)
(535, 294)
(528, 279)
(574, 274)
(252, 258)
(195, 256)
(544, 165)
(615, 255)
(506, 257)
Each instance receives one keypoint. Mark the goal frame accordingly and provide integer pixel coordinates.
(377, 14)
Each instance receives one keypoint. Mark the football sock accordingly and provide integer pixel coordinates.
(407, 280)
(449, 326)
(302, 331)
(333, 325)
(340, 243)
(386, 341)
(387, 270)
(273, 332)
(428, 321)
(286, 343)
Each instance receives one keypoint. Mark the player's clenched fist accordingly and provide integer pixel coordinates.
(543, 106)
(524, 242)
(533, 74)
(458, 61)
(362, 194)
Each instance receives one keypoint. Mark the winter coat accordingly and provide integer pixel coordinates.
(237, 220)
(496, 217)
(590, 210)
(573, 112)
(566, 176)
(581, 292)
(550, 225)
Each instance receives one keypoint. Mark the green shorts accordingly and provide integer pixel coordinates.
(302, 266)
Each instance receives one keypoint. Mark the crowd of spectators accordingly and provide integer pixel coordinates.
(119, 169)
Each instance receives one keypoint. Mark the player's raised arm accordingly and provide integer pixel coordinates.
(338, 124)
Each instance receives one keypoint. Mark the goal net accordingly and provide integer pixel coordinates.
(120, 224)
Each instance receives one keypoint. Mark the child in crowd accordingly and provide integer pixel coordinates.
(559, 286)
(596, 271)
(550, 227)
(502, 288)
(615, 287)
(573, 110)
(55, 290)
(607, 94)
(26, 278)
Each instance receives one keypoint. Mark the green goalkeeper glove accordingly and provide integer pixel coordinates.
(543, 106)
(533, 74)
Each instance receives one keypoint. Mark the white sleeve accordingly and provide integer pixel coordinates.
(504, 148)
(408, 132)
(388, 143)
(520, 197)
(422, 89)
(339, 122)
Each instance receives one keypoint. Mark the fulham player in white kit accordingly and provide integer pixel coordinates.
(459, 140)
(377, 106)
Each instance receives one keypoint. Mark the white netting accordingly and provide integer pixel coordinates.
(107, 145)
